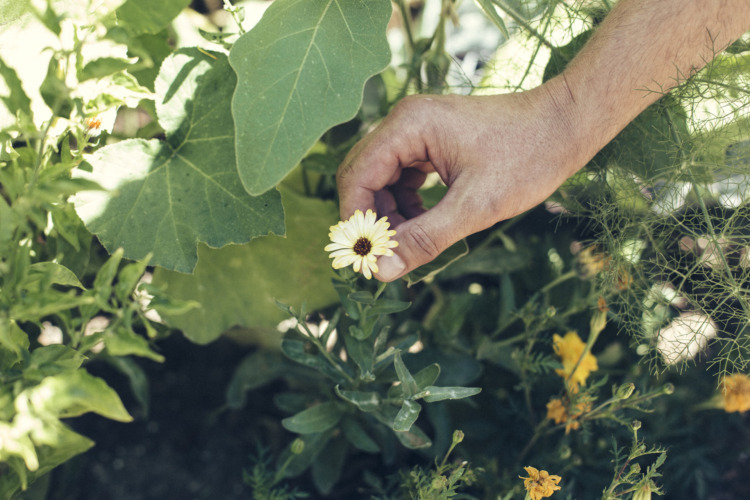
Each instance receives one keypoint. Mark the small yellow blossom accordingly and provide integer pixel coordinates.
(591, 261)
(359, 241)
(736, 389)
(540, 484)
(558, 412)
(570, 348)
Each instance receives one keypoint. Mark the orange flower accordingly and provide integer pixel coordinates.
(558, 412)
(540, 484)
(570, 348)
(736, 389)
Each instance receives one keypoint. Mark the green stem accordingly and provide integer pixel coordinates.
(522, 23)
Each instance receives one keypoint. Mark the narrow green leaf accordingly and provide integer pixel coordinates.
(362, 354)
(407, 415)
(388, 306)
(365, 401)
(449, 256)
(357, 436)
(427, 376)
(408, 384)
(301, 70)
(443, 393)
(489, 9)
(295, 350)
(164, 197)
(319, 418)
(362, 296)
(414, 438)
(326, 473)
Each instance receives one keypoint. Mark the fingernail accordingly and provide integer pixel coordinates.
(390, 268)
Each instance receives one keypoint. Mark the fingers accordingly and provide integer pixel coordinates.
(424, 237)
(377, 160)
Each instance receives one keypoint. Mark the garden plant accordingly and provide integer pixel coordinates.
(168, 173)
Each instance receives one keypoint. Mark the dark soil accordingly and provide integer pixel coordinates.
(187, 447)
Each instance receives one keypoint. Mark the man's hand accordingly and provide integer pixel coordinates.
(498, 155)
(502, 155)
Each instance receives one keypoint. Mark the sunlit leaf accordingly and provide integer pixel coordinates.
(301, 70)
(142, 16)
(166, 196)
(291, 270)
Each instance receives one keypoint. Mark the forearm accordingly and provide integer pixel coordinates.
(641, 50)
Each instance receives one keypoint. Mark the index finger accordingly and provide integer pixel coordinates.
(373, 164)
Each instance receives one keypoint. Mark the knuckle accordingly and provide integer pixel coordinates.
(421, 240)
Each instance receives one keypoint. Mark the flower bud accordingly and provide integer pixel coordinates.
(297, 446)
(458, 436)
(635, 425)
(625, 391)
(668, 389)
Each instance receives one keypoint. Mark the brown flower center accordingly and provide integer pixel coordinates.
(362, 247)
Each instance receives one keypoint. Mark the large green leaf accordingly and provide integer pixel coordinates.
(237, 285)
(301, 70)
(142, 16)
(163, 197)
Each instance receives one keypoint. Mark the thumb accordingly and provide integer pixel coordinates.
(421, 240)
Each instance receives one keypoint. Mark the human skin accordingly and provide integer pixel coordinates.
(502, 155)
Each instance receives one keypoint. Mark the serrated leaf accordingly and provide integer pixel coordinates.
(301, 70)
(291, 270)
(164, 197)
(319, 418)
(141, 16)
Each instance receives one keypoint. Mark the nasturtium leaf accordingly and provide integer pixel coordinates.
(163, 197)
(142, 16)
(301, 70)
(292, 270)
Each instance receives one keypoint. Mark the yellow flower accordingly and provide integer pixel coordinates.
(736, 390)
(558, 412)
(569, 349)
(359, 241)
(540, 484)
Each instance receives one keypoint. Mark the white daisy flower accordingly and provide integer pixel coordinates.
(359, 241)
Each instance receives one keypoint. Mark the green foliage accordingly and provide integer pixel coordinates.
(300, 71)
(369, 380)
(189, 182)
(289, 269)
